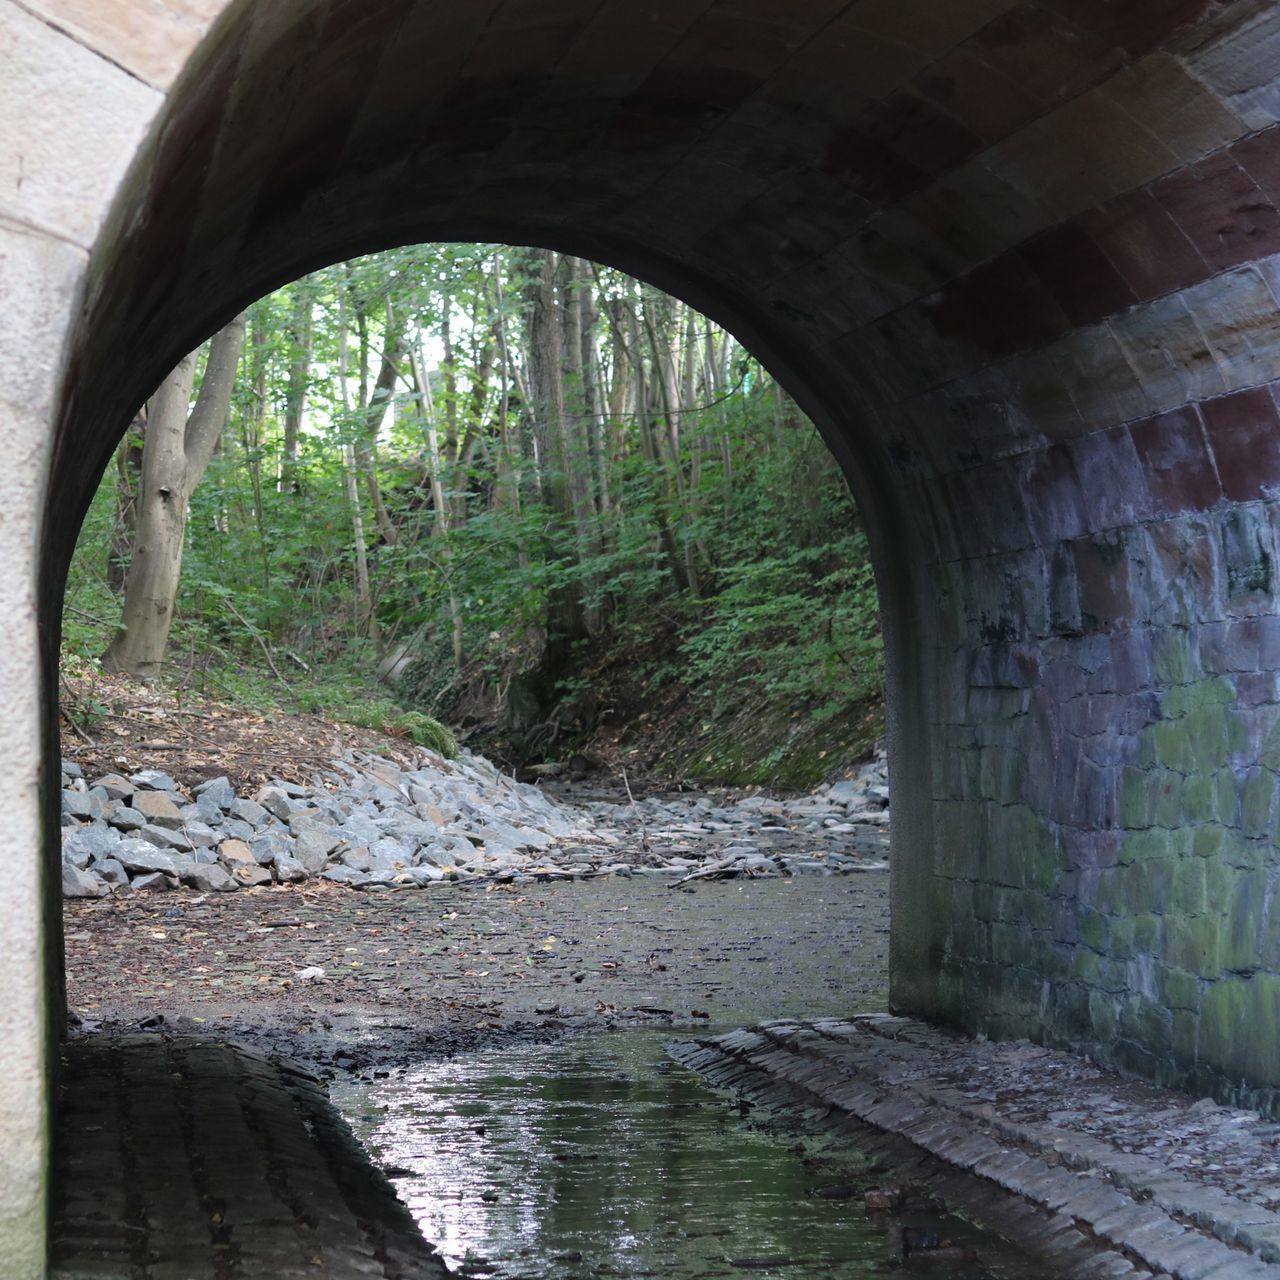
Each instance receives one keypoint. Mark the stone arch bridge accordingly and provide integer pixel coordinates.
(1019, 259)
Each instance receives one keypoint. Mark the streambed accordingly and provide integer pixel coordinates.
(598, 1155)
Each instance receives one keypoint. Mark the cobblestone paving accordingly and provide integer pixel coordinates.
(187, 1159)
(1182, 1188)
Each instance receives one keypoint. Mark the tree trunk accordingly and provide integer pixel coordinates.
(174, 457)
(365, 612)
(295, 399)
(565, 621)
(128, 462)
(440, 521)
(506, 494)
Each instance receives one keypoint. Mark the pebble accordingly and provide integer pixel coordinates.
(371, 824)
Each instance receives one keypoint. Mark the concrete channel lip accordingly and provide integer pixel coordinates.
(895, 1074)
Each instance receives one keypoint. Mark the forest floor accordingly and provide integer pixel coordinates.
(112, 724)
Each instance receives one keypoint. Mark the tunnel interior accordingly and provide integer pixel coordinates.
(1016, 260)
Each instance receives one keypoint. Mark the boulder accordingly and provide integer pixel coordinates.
(116, 787)
(390, 853)
(313, 843)
(125, 817)
(235, 853)
(85, 805)
(342, 875)
(163, 838)
(290, 870)
(217, 791)
(205, 810)
(435, 855)
(269, 846)
(158, 808)
(276, 803)
(112, 872)
(78, 883)
(152, 880)
(357, 859)
(136, 856)
(210, 879)
(251, 873)
(153, 780)
(86, 843)
(201, 835)
(248, 811)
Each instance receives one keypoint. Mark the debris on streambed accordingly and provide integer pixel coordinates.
(374, 824)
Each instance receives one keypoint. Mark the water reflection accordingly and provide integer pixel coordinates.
(601, 1157)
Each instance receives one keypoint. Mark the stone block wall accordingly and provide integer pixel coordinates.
(1108, 737)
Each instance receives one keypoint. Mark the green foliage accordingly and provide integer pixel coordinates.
(797, 629)
(720, 521)
(428, 732)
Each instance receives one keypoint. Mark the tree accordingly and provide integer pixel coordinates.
(179, 442)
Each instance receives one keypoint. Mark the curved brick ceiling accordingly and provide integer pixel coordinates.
(1017, 258)
(940, 204)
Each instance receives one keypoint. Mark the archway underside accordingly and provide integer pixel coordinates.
(1020, 263)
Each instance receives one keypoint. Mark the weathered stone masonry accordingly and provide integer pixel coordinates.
(1018, 259)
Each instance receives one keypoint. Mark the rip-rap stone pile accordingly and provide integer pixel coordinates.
(371, 824)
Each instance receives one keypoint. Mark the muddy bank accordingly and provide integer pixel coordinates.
(348, 980)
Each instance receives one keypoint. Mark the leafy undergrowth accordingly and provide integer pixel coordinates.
(649, 716)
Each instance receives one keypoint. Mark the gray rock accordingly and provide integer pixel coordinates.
(342, 875)
(151, 880)
(138, 857)
(158, 808)
(86, 843)
(78, 883)
(251, 874)
(248, 811)
(380, 878)
(217, 791)
(163, 838)
(126, 818)
(236, 853)
(112, 872)
(153, 780)
(205, 810)
(276, 803)
(846, 791)
(86, 805)
(411, 829)
(269, 846)
(359, 828)
(294, 790)
(389, 853)
(357, 859)
(238, 829)
(116, 787)
(72, 770)
(210, 879)
(201, 835)
(290, 870)
(424, 875)
(312, 844)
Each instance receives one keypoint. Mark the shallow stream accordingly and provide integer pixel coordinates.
(600, 1156)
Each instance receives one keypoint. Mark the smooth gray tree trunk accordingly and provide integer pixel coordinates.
(180, 441)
